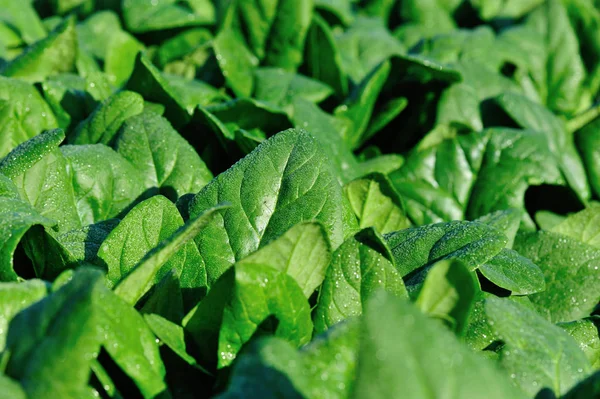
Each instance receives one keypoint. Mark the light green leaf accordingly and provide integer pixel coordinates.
(376, 204)
(142, 16)
(303, 252)
(15, 297)
(583, 226)
(585, 333)
(448, 293)
(324, 368)
(39, 170)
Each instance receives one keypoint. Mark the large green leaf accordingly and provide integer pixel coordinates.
(571, 270)
(273, 368)
(54, 358)
(582, 226)
(536, 353)
(585, 333)
(145, 226)
(142, 276)
(473, 243)
(399, 343)
(284, 181)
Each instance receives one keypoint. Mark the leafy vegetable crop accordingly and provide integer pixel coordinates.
(318, 199)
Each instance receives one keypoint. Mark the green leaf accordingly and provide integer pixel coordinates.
(536, 353)
(285, 41)
(148, 81)
(119, 61)
(103, 181)
(39, 170)
(473, 243)
(432, 190)
(15, 297)
(141, 277)
(365, 45)
(588, 144)
(303, 252)
(571, 270)
(588, 388)
(23, 18)
(149, 223)
(448, 293)
(509, 163)
(102, 125)
(582, 226)
(278, 87)
(54, 358)
(513, 272)
(531, 115)
(561, 89)
(359, 107)
(172, 335)
(54, 54)
(17, 217)
(492, 9)
(360, 266)
(322, 56)
(585, 333)
(164, 159)
(22, 105)
(284, 181)
(399, 342)
(130, 343)
(240, 304)
(507, 221)
(141, 16)
(236, 61)
(193, 93)
(10, 389)
(271, 367)
(329, 132)
(376, 204)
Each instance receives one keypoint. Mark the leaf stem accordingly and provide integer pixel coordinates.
(583, 119)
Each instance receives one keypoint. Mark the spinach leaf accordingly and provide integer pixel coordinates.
(164, 159)
(570, 268)
(536, 353)
(359, 267)
(296, 185)
(394, 331)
